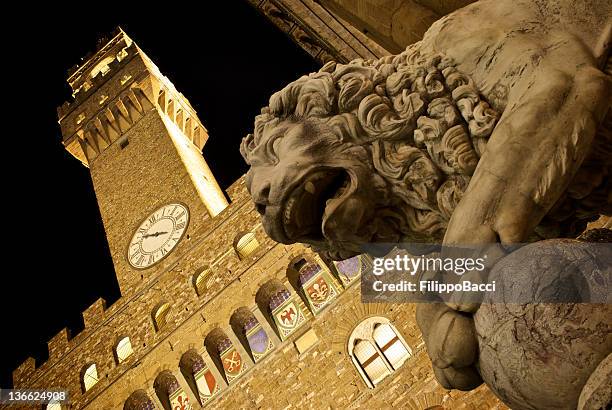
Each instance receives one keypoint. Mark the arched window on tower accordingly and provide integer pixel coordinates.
(313, 282)
(123, 349)
(224, 354)
(160, 316)
(377, 350)
(169, 392)
(282, 309)
(245, 244)
(89, 376)
(251, 334)
(139, 400)
(200, 378)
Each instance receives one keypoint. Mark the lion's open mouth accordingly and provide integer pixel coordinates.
(304, 208)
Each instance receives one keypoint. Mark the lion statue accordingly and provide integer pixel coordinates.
(495, 128)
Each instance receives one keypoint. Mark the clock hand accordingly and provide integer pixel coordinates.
(156, 234)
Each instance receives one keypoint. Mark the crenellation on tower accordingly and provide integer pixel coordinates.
(24, 372)
(95, 313)
(59, 344)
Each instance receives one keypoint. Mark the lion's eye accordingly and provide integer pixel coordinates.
(275, 148)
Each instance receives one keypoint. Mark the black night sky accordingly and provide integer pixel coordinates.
(226, 59)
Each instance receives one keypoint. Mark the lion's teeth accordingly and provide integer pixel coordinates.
(288, 207)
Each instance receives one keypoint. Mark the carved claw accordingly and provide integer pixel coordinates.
(451, 344)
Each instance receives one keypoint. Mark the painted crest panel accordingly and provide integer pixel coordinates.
(351, 269)
(233, 364)
(318, 286)
(259, 341)
(206, 383)
(180, 401)
(287, 314)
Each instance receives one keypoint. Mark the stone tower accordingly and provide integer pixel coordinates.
(142, 142)
(213, 313)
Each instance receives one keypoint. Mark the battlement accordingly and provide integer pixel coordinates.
(58, 345)
(94, 314)
(61, 343)
(31, 373)
(24, 372)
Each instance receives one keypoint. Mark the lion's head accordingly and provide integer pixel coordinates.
(370, 151)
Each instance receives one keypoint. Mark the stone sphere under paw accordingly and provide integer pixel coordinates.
(540, 355)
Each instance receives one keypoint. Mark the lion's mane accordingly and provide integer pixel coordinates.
(409, 108)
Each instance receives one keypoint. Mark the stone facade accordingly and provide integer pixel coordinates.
(128, 129)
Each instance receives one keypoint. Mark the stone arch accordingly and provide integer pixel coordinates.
(200, 280)
(349, 270)
(438, 399)
(200, 379)
(250, 333)
(224, 354)
(264, 295)
(53, 405)
(280, 308)
(293, 270)
(139, 400)
(313, 282)
(169, 391)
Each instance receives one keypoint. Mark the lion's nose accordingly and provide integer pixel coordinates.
(260, 197)
(261, 208)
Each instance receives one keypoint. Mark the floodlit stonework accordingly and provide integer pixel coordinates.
(226, 317)
(493, 129)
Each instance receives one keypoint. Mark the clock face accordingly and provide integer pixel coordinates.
(158, 235)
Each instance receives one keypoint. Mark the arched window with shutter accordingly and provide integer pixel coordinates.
(200, 281)
(123, 349)
(245, 244)
(54, 405)
(390, 345)
(160, 316)
(370, 361)
(89, 376)
(377, 349)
